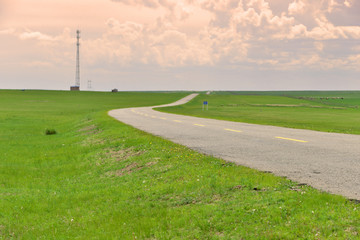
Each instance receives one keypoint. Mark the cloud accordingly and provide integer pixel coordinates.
(146, 3)
(234, 33)
(9, 31)
(326, 30)
(35, 35)
(296, 7)
(355, 59)
(319, 46)
(348, 3)
(128, 31)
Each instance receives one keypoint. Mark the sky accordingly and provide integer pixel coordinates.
(181, 44)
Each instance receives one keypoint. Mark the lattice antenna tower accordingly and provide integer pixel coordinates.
(89, 84)
(77, 77)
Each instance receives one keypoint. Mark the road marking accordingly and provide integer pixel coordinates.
(232, 130)
(290, 139)
(153, 117)
(132, 110)
(163, 118)
(177, 121)
(146, 115)
(200, 125)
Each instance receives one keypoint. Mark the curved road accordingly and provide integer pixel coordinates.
(327, 161)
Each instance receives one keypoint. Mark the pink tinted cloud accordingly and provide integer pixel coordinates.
(35, 35)
(296, 7)
(231, 32)
(145, 3)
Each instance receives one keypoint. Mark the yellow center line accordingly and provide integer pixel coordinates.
(232, 130)
(146, 115)
(153, 117)
(177, 121)
(290, 139)
(163, 118)
(200, 125)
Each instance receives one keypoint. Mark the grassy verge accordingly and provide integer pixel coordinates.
(321, 111)
(98, 178)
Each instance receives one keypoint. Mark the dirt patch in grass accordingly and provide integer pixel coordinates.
(257, 189)
(123, 154)
(127, 170)
(7, 194)
(113, 156)
(93, 141)
(150, 164)
(133, 167)
(352, 230)
(89, 130)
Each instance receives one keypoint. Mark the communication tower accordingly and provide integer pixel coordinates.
(77, 77)
(76, 87)
(89, 84)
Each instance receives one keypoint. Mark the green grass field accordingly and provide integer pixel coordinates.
(321, 111)
(97, 178)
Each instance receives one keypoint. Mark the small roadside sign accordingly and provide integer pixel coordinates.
(205, 105)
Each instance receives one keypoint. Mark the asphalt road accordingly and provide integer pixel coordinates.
(326, 161)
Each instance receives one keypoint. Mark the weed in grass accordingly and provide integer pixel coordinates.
(50, 131)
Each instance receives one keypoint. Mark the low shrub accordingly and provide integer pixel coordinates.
(50, 131)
